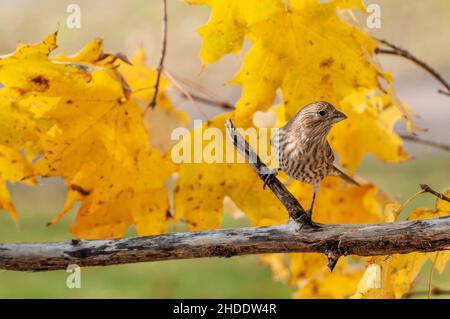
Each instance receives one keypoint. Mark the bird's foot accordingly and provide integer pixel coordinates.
(305, 219)
(268, 176)
(309, 213)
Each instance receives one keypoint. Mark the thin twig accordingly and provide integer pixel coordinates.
(185, 93)
(152, 103)
(409, 200)
(428, 189)
(221, 104)
(418, 140)
(444, 92)
(395, 50)
(197, 87)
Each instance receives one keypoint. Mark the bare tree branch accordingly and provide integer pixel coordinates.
(395, 50)
(418, 140)
(160, 68)
(336, 240)
(363, 240)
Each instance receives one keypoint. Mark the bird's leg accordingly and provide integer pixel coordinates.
(310, 210)
(268, 175)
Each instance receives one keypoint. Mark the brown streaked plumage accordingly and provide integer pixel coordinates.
(302, 148)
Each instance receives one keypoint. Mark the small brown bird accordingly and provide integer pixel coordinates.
(302, 148)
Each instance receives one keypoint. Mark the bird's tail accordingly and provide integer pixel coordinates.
(341, 174)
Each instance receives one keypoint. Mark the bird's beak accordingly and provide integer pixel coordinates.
(338, 116)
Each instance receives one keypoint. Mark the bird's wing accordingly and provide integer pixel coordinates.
(341, 174)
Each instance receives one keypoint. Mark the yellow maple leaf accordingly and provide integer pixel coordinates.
(368, 129)
(224, 33)
(339, 202)
(91, 54)
(319, 57)
(341, 283)
(18, 131)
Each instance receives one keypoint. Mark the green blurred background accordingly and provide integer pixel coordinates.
(421, 26)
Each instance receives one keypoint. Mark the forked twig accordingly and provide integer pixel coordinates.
(202, 99)
(185, 93)
(395, 50)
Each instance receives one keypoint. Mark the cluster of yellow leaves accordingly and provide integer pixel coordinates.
(83, 115)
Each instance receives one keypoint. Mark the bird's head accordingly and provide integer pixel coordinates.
(321, 114)
(316, 117)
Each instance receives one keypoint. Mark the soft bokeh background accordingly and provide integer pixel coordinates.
(423, 27)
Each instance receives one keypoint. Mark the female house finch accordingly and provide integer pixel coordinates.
(302, 148)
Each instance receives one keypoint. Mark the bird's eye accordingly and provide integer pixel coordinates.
(322, 113)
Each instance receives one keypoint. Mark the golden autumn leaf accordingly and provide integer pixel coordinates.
(338, 202)
(225, 33)
(341, 283)
(369, 127)
(319, 57)
(98, 142)
(18, 131)
(91, 54)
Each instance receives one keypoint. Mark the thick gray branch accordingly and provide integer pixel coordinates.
(363, 240)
